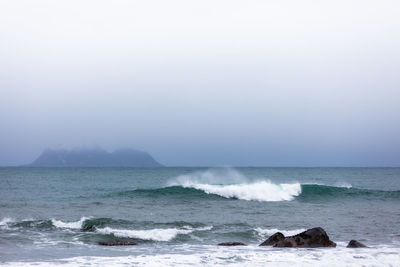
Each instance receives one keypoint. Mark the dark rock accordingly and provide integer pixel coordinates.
(273, 239)
(311, 238)
(231, 244)
(117, 243)
(355, 244)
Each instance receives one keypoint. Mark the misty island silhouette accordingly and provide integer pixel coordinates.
(94, 158)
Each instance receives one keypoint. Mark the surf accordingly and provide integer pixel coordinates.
(262, 191)
(157, 234)
(229, 183)
(259, 191)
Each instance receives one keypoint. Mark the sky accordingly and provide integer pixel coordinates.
(203, 83)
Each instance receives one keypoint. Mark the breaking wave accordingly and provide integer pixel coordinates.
(262, 191)
(229, 183)
(269, 232)
(152, 234)
(69, 225)
(4, 222)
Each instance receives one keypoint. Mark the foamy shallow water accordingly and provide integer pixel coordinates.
(238, 256)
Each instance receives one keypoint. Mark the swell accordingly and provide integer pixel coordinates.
(325, 191)
(260, 192)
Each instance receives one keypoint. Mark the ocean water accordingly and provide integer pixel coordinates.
(57, 216)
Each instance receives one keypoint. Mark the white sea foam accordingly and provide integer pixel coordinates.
(269, 232)
(261, 191)
(69, 225)
(4, 222)
(238, 256)
(152, 234)
(229, 183)
(337, 184)
(343, 184)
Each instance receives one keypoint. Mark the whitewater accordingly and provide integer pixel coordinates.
(261, 191)
(177, 216)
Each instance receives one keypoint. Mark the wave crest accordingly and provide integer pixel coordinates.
(4, 222)
(260, 191)
(263, 191)
(269, 232)
(69, 225)
(153, 234)
(229, 183)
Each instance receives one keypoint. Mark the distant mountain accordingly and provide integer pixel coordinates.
(94, 158)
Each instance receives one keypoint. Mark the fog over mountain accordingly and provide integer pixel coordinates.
(94, 158)
(203, 83)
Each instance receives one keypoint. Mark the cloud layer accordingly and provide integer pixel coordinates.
(203, 83)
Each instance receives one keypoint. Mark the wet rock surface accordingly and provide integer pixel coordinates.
(355, 244)
(231, 244)
(311, 238)
(117, 243)
(273, 239)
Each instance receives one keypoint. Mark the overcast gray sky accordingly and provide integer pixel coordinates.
(274, 83)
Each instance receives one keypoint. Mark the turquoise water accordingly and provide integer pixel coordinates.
(178, 215)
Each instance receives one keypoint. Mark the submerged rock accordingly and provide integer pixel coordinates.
(355, 244)
(117, 243)
(311, 238)
(231, 244)
(273, 239)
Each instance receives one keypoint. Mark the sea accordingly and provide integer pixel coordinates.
(177, 216)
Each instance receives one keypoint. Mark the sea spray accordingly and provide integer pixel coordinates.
(211, 176)
(268, 232)
(69, 225)
(229, 183)
(4, 222)
(260, 191)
